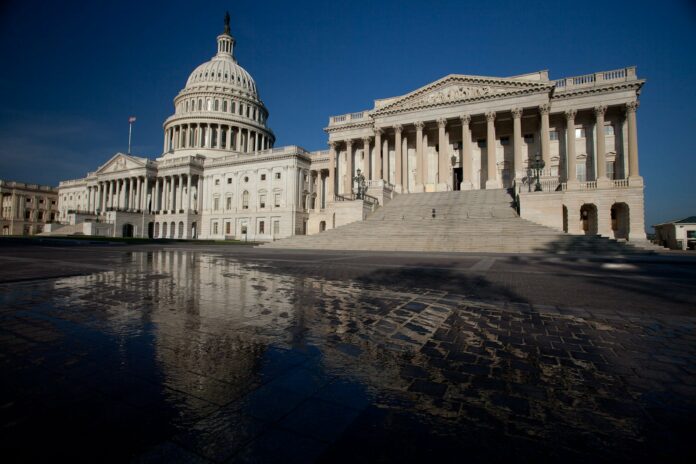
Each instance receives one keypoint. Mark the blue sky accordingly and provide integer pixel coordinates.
(72, 72)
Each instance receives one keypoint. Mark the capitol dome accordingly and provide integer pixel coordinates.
(219, 109)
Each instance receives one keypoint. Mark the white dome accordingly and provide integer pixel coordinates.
(223, 70)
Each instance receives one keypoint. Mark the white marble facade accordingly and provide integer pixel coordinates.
(219, 175)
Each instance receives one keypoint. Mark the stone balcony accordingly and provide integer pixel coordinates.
(596, 79)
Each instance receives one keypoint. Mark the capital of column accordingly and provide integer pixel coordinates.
(516, 113)
(419, 125)
(631, 107)
(378, 131)
(349, 143)
(332, 145)
(466, 119)
(398, 128)
(490, 116)
(600, 110)
(545, 108)
(366, 140)
(441, 123)
(570, 114)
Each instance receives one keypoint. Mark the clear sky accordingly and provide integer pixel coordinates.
(72, 72)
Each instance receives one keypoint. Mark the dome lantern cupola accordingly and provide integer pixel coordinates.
(225, 40)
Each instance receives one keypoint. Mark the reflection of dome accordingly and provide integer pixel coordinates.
(219, 109)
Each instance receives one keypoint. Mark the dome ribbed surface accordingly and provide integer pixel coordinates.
(223, 70)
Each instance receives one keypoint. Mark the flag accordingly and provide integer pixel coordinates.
(131, 119)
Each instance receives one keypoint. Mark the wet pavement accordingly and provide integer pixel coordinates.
(199, 355)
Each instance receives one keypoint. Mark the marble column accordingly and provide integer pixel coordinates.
(492, 177)
(466, 155)
(601, 150)
(155, 203)
(517, 143)
(238, 143)
(188, 193)
(398, 157)
(377, 174)
(367, 172)
(572, 176)
(199, 195)
(317, 191)
(348, 180)
(442, 169)
(180, 193)
(332, 171)
(421, 164)
(631, 109)
(544, 111)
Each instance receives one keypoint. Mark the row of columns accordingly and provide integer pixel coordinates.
(224, 137)
(318, 189)
(444, 176)
(167, 193)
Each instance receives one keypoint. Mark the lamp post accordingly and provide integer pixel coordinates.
(360, 180)
(537, 166)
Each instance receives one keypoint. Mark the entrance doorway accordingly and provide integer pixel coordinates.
(588, 216)
(457, 180)
(150, 229)
(127, 230)
(620, 220)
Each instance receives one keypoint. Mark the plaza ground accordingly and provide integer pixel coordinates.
(185, 352)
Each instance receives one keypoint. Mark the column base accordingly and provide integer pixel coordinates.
(572, 185)
(420, 188)
(492, 184)
(442, 187)
(466, 186)
(635, 181)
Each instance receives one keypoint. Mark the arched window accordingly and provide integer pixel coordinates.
(245, 200)
(209, 105)
(224, 106)
(232, 107)
(200, 104)
(187, 105)
(217, 105)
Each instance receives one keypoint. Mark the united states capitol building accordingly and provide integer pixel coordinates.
(566, 151)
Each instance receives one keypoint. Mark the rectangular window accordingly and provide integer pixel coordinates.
(277, 175)
(216, 204)
(276, 227)
(228, 228)
(217, 181)
(553, 135)
(481, 143)
(41, 201)
(528, 138)
(263, 176)
(262, 227)
(609, 129)
(580, 133)
(229, 203)
(691, 234)
(277, 200)
(215, 228)
(229, 180)
(580, 171)
(610, 169)
(505, 140)
(262, 201)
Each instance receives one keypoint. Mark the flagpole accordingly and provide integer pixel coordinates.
(130, 130)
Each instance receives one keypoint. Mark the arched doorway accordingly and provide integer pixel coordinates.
(588, 218)
(565, 219)
(127, 230)
(164, 230)
(181, 229)
(150, 229)
(620, 220)
(322, 226)
(172, 229)
(193, 230)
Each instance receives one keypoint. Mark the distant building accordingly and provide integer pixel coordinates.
(26, 208)
(677, 235)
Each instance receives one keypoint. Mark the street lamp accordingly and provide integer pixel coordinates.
(537, 166)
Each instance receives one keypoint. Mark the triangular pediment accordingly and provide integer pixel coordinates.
(121, 162)
(457, 88)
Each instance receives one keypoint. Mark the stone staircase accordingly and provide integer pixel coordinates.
(468, 221)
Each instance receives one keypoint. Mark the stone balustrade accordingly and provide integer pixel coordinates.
(598, 78)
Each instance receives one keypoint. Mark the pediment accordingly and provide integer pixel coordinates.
(460, 88)
(121, 162)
